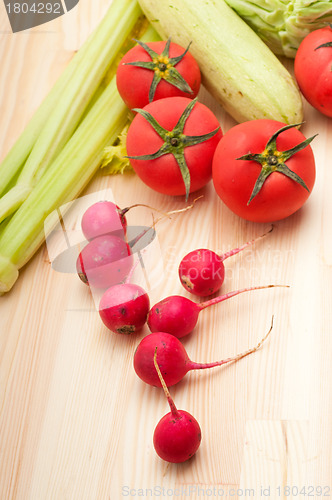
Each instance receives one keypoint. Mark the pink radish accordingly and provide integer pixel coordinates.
(178, 315)
(104, 261)
(202, 271)
(177, 435)
(105, 217)
(173, 359)
(124, 308)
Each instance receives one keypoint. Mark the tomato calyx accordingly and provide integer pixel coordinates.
(175, 141)
(164, 68)
(327, 44)
(273, 160)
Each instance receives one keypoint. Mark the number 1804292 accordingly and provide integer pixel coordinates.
(309, 491)
(35, 8)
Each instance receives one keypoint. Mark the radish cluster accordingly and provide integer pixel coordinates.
(106, 259)
(125, 308)
(160, 358)
(106, 263)
(177, 435)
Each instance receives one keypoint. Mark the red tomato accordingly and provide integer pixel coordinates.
(134, 82)
(313, 69)
(193, 168)
(235, 179)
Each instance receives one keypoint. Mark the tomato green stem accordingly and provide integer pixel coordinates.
(163, 67)
(175, 141)
(273, 160)
(327, 44)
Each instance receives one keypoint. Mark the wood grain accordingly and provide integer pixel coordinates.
(76, 422)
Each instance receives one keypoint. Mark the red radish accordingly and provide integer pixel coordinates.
(202, 271)
(104, 261)
(178, 315)
(124, 308)
(177, 435)
(173, 359)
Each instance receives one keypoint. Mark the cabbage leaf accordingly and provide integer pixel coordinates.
(282, 24)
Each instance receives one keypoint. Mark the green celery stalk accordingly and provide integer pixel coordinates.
(63, 181)
(18, 154)
(69, 101)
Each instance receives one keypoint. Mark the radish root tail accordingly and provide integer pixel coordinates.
(253, 349)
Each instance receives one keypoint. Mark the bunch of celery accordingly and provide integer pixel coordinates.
(63, 145)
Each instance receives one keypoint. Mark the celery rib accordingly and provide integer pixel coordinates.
(99, 52)
(63, 181)
(18, 154)
(11, 201)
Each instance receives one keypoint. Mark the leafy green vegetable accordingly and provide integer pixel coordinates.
(283, 24)
(115, 159)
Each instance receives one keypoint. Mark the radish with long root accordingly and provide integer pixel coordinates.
(124, 308)
(173, 359)
(177, 435)
(202, 271)
(178, 315)
(105, 217)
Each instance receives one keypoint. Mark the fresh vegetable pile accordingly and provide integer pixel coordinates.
(263, 169)
(74, 130)
(107, 263)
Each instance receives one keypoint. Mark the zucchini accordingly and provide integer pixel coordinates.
(238, 69)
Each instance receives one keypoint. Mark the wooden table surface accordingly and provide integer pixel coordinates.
(75, 420)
